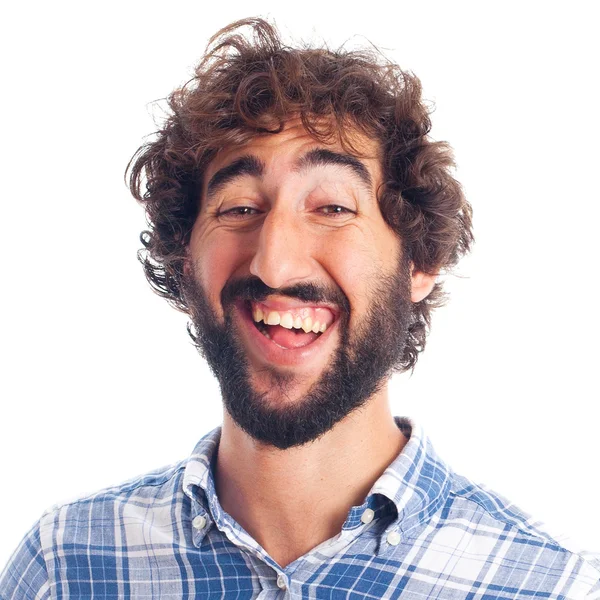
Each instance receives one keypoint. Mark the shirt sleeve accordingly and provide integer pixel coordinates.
(25, 577)
(594, 560)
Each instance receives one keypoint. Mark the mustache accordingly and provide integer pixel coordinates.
(254, 290)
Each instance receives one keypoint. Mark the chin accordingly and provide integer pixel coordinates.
(279, 387)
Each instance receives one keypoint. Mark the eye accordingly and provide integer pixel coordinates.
(335, 210)
(238, 212)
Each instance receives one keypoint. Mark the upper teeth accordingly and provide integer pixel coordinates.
(286, 319)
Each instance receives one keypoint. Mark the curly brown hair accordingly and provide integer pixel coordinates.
(251, 85)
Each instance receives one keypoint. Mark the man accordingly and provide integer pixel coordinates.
(300, 215)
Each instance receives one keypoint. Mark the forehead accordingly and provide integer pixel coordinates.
(281, 152)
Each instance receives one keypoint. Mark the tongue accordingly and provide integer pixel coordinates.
(286, 338)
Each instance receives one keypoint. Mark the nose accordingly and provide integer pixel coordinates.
(283, 251)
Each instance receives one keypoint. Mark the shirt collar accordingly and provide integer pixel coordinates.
(199, 483)
(417, 482)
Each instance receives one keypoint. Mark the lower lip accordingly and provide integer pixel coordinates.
(269, 352)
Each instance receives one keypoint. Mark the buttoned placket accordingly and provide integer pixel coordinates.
(273, 580)
(278, 583)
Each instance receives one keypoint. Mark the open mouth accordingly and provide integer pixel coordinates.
(290, 327)
(287, 338)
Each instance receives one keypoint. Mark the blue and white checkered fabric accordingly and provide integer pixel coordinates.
(434, 534)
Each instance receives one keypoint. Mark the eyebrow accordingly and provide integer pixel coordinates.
(319, 157)
(245, 165)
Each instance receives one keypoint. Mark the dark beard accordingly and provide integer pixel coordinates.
(361, 365)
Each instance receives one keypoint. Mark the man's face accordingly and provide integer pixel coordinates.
(296, 286)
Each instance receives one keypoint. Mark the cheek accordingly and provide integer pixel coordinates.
(215, 259)
(357, 259)
(350, 261)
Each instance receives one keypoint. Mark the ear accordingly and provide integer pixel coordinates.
(421, 284)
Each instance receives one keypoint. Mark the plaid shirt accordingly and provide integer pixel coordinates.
(422, 532)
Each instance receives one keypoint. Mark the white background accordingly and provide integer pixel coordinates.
(99, 379)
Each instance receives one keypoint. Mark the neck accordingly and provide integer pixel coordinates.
(292, 500)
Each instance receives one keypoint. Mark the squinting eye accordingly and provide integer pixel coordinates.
(238, 212)
(335, 209)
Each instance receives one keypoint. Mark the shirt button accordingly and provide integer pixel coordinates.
(393, 538)
(281, 583)
(199, 522)
(367, 516)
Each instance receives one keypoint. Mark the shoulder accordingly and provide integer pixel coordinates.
(111, 520)
(154, 483)
(496, 509)
(148, 495)
(489, 524)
